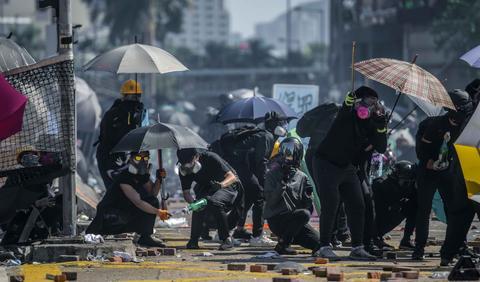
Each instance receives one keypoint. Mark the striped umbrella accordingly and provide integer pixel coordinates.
(407, 78)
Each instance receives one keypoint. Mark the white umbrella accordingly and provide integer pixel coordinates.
(135, 58)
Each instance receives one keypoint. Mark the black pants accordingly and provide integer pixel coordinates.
(388, 217)
(341, 227)
(293, 228)
(253, 198)
(335, 184)
(370, 229)
(123, 219)
(217, 206)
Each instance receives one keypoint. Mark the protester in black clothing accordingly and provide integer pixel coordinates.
(473, 89)
(288, 200)
(125, 115)
(395, 199)
(131, 203)
(217, 183)
(437, 169)
(360, 126)
(249, 156)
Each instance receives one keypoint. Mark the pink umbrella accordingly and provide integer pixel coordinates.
(12, 108)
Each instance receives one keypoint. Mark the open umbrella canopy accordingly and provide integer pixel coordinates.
(468, 151)
(160, 136)
(472, 57)
(13, 56)
(89, 111)
(12, 108)
(407, 78)
(253, 109)
(135, 58)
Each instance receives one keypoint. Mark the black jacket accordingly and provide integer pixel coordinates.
(286, 191)
(121, 118)
(349, 136)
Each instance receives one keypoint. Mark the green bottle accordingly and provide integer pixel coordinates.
(195, 206)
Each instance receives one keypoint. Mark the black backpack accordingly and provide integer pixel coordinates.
(235, 140)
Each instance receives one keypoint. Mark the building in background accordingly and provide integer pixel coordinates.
(204, 21)
(309, 24)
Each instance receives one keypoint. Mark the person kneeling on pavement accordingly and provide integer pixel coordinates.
(217, 183)
(288, 197)
(395, 199)
(131, 204)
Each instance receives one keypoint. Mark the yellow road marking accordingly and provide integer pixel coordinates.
(38, 272)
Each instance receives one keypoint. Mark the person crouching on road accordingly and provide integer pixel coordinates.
(217, 183)
(131, 205)
(288, 200)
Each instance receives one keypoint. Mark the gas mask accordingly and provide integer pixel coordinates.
(189, 168)
(280, 131)
(365, 107)
(139, 165)
(30, 160)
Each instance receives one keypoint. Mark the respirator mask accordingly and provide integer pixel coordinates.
(365, 107)
(189, 168)
(139, 165)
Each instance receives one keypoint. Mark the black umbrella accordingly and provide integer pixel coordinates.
(253, 109)
(160, 136)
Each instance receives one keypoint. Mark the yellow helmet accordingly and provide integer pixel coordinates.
(131, 87)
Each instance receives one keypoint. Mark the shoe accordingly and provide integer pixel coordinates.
(359, 253)
(206, 237)
(262, 241)
(227, 244)
(192, 245)
(281, 249)
(406, 245)
(242, 234)
(466, 251)
(374, 250)
(446, 262)
(236, 242)
(418, 254)
(384, 246)
(148, 241)
(327, 252)
(336, 243)
(344, 237)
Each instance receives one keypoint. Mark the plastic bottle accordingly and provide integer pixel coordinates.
(195, 206)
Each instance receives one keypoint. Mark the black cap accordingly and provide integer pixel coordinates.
(186, 155)
(365, 91)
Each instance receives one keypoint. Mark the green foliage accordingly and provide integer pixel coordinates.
(457, 28)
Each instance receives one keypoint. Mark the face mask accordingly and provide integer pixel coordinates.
(190, 168)
(134, 98)
(30, 160)
(362, 111)
(140, 168)
(280, 131)
(365, 107)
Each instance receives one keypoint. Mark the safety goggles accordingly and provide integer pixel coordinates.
(139, 158)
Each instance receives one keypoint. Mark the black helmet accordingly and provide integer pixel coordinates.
(272, 119)
(291, 151)
(473, 88)
(404, 170)
(461, 100)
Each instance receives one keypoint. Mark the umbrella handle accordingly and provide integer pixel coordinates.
(403, 119)
(353, 65)
(394, 105)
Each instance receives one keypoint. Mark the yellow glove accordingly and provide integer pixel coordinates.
(350, 99)
(163, 214)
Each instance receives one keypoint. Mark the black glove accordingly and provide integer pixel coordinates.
(215, 185)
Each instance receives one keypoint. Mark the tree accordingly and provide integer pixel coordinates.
(127, 18)
(457, 28)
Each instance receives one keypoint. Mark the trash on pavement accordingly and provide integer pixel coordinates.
(126, 257)
(93, 239)
(290, 264)
(269, 255)
(440, 275)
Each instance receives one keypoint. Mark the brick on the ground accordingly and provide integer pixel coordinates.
(334, 274)
(397, 274)
(410, 274)
(60, 278)
(67, 258)
(289, 271)
(258, 268)
(374, 275)
(321, 261)
(152, 252)
(17, 278)
(285, 279)
(116, 259)
(169, 251)
(71, 276)
(391, 255)
(400, 269)
(320, 272)
(388, 268)
(385, 276)
(236, 266)
(270, 266)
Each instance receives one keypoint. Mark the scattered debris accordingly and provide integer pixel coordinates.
(290, 264)
(126, 257)
(115, 259)
(385, 276)
(374, 275)
(321, 261)
(12, 262)
(93, 239)
(236, 266)
(401, 269)
(439, 275)
(207, 254)
(289, 271)
(333, 274)
(269, 255)
(71, 276)
(169, 251)
(410, 274)
(285, 279)
(320, 272)
(391, 255)
(17, 278)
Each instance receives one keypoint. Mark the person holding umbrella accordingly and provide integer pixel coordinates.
(125, 115)
(131, 203)
(217, 183)
(359, 128)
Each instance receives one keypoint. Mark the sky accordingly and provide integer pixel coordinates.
(244, 14)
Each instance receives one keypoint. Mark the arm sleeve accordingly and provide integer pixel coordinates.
(428, 151)
(272, 188)
(379, 140)
(186, 182)
(263, 150)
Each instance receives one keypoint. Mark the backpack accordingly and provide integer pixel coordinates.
(422, 127)
(234, 140)
(320, 116)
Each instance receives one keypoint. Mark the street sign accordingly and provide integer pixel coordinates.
(300, 97)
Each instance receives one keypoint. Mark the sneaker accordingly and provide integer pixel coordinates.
(418, 254)
(192, 245)
(359, 253)
(374, 250)
(336, 243)
(326, 252)
(262, 241)
(281, 249)
(384, 246)
(406, 245)
(206, 237)
(227, 244)
(344, 237)
(242, 234)
(148, 241)
(216, 239)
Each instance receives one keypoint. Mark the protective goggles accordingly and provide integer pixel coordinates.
(139, 158)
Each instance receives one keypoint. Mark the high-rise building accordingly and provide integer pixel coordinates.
(204, 21)
(309, 23)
